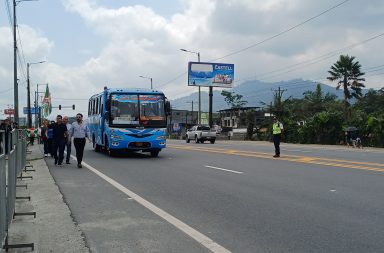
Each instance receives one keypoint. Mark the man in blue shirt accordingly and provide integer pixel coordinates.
(79, 131)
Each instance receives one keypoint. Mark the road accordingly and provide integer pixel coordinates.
(229, 197)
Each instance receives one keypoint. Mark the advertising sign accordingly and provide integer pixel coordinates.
(9, 111)
(209, 74)
(176, 127)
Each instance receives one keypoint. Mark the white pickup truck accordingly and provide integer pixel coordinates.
(200, 133)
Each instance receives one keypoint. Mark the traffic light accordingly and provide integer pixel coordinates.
(59, 107)
(73, 107)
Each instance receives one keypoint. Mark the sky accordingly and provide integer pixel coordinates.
(89, 44)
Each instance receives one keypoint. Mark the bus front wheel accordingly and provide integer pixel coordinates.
(107, 150)
(96, 146)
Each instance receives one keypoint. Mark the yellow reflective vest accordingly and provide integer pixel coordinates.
(276, 129)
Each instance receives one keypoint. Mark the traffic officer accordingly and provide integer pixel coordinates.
(277, 128)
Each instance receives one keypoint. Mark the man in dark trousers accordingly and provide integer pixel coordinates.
(50, 137)
(79, 131)
(277, 128)
(68, 145)
(60, 135)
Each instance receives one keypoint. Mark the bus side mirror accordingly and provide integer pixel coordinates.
(167, 108)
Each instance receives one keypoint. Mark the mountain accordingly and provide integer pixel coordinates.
(255, 92)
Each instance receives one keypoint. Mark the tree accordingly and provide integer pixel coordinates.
(233, 100)
(316, 101)
(372, 102)
(348, 73)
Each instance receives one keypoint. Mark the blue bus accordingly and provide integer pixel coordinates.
(128, 120)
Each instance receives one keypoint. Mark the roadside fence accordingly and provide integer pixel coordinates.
(9, 173)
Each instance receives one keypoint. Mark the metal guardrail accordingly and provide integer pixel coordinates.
(3, 191)
(8, 178)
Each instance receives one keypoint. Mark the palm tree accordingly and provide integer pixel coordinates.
(348, 72)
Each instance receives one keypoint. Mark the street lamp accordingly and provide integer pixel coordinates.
(15, 84)
(150, 78)
(198, 59)
(29, 93)
(38, 114)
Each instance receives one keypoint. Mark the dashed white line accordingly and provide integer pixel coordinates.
(193, 233)
(217, 168)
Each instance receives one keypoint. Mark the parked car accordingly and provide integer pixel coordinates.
(200, 133)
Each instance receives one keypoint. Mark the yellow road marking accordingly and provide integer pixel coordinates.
(292, 158)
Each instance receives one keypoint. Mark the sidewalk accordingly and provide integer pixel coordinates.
(53, 230)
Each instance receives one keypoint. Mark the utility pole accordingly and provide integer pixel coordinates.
(29, 99)
(199, 114)
(192, 121)
(198, 60)
(15, 85)
(278, 95)
(210, 106)
(29, 93)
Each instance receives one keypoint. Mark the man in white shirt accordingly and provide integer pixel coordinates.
(79, 131)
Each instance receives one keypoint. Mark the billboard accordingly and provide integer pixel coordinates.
(209, 74)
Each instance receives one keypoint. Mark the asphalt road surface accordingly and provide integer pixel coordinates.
(229, 197)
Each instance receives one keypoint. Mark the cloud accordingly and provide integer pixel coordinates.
(35, 48)
(139, 41)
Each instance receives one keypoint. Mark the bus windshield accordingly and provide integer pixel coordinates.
(137, 110)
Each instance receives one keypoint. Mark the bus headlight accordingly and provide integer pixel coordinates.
(116, 137)
(160, 137)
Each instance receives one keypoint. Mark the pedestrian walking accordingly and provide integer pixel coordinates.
(32, 134)
(44, 137)
(79, 131)
(277, 129)
(68, 144)
(50, 137)
(60, 135)
(6, 126)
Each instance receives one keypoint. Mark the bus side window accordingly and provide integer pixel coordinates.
(94, 106)
(101, 105)
(97, 105)
(99, 100)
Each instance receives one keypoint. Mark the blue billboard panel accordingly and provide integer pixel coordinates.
(210, 74)
(34, 110)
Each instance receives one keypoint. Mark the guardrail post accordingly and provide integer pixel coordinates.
(15, 157)
(3, 190)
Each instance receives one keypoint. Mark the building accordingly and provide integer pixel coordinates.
(180, 119)
(237, 117)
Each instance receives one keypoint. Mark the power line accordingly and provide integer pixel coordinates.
(7, 90)
(315, 60)
(8, 9)
(283, 32)
(22, 51)
(269, 38)
(174, 79)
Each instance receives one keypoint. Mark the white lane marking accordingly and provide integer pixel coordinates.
(332, 190)
(217, 168)
(194, 234)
